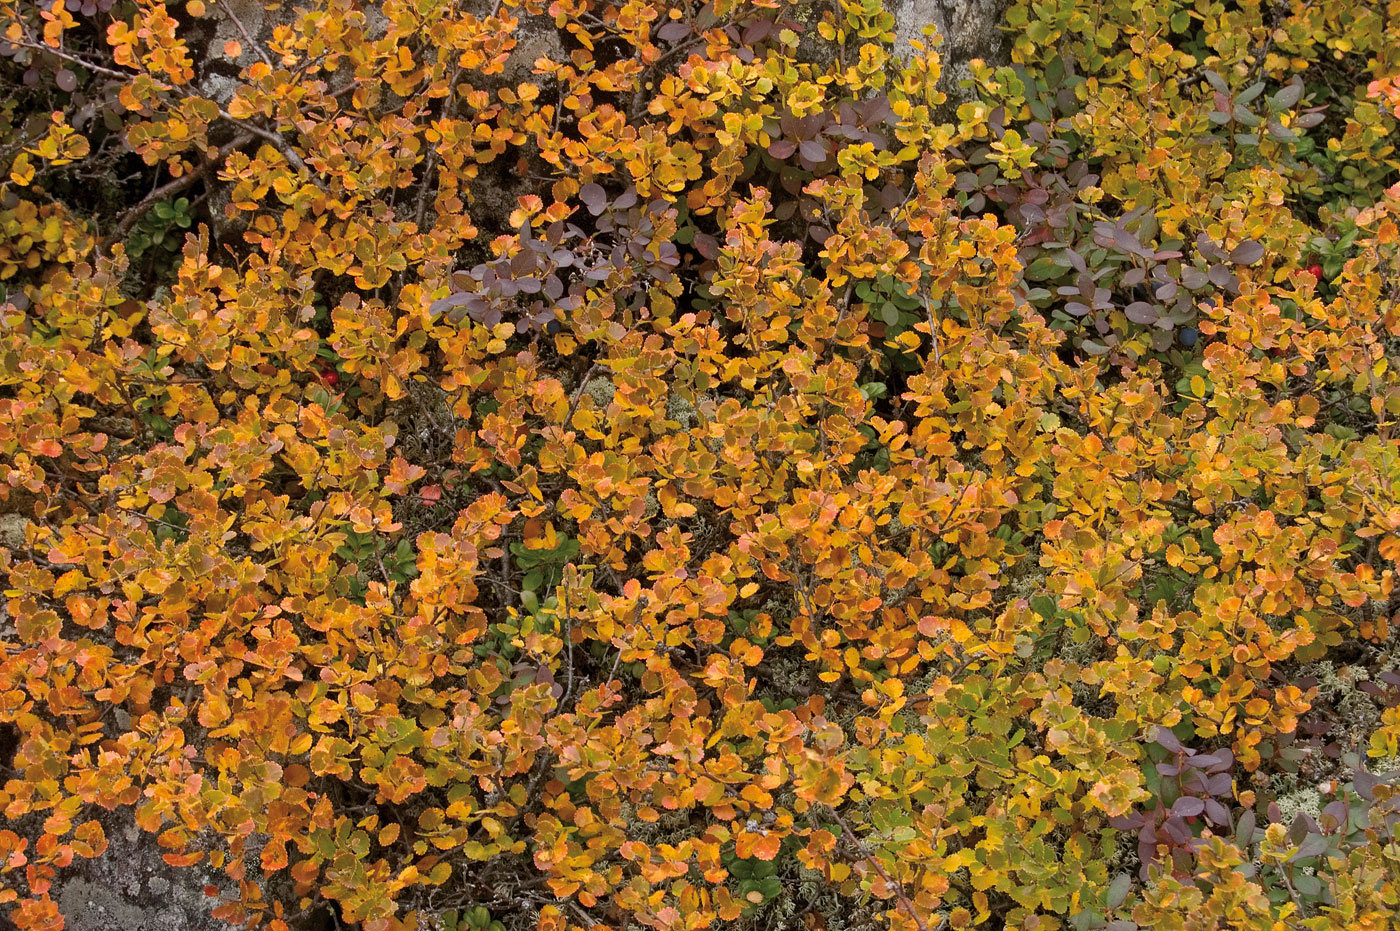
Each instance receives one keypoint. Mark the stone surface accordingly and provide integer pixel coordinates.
(12, 531)
(130, 888)
(970, 29)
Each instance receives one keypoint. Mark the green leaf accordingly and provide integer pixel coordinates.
(874, 389)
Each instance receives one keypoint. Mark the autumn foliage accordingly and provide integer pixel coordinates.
(652, 463)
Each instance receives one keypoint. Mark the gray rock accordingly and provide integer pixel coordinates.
(12, 528)
(130, 888)
(970, 29)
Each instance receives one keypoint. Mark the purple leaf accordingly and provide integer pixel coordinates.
(593, 197)
(1188, 806)
(781, 149)
(1365, 784)
(1334, 815)
(1290, 95)
(1141, 312)
(1247, 253)
(442, 305)
(1222, 277)
(1177, 829)
(813, 152)
(1208, 248)
(1127, 242)
(1311, 846)
(1244, 830)
(674, 31)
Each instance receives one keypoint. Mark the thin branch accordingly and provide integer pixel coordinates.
(238, 23)
(277, 142)
(904, 900)
(133, 216)
(66, 56)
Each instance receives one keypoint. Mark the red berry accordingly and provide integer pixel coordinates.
(1315, 271)
(330, 378)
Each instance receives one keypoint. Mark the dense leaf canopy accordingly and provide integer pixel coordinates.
(652, 463)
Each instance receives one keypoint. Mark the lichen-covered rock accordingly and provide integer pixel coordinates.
(131, 888)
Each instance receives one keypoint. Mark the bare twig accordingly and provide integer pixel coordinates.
(238, 23)
(69, 57)
(277, 142)
(865, 853)
(133, 216)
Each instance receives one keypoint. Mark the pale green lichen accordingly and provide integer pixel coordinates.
(601, 390)
(681, 411)
(1358, 714)
(1385, 766)
(1305, 800)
